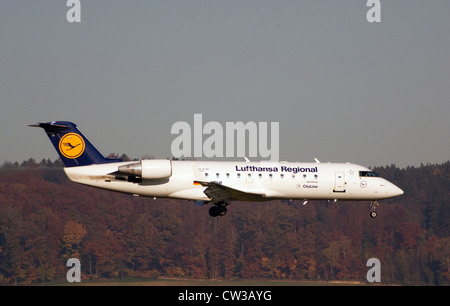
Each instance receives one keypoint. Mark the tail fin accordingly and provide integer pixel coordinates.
(72, 146)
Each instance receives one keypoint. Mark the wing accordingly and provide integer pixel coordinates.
(217, 192)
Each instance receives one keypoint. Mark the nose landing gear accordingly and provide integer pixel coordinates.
(373, 207)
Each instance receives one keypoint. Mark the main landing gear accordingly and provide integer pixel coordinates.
(219, 209)
(373, 207)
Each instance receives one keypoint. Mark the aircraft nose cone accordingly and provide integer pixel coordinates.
(396, 191)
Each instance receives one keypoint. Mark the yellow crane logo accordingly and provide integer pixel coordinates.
(71, 145)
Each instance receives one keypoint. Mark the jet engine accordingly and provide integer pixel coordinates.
(149, 169)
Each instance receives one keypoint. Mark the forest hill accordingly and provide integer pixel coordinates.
(275, 169)
(46, 219)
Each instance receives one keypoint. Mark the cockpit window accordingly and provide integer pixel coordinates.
(368, 174)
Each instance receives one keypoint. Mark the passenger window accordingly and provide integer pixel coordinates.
(217, 175)
(228, 175)
(270, 175)
(315, 176)
(239, 175)
(281, 176)
(260, 175)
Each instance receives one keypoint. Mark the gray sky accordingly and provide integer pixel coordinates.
(342, 89)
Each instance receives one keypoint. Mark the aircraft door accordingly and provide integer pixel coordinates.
(339, 185)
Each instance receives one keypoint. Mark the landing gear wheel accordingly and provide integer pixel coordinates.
(214, 211)
(373, 207)
(219, 209)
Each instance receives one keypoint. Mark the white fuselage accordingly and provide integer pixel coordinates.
(271, 180)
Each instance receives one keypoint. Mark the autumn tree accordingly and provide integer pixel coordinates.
(74, 233)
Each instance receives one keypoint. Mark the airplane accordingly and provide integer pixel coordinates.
(217, 182)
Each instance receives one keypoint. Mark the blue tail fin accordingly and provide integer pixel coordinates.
(72, 146)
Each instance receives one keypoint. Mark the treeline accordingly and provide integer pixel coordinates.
(46, 219)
